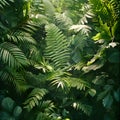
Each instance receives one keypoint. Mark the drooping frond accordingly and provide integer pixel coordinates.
(12, 55)
(87, 109)
(56, 50)
(34, 97)
(85, 29)
(20, 37)
(14, 78)
(28, 27)
(86, 14)
(78, 83)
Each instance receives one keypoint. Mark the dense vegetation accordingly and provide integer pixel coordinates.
(59, 59)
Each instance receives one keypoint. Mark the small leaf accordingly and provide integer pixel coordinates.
(17, 111)
(107, 101)
(92, 92)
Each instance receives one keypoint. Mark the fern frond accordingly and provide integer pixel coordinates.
(47, 106)
(87, 109)
(15, 79)
(79, 83)
(107, 10)
(60, 82)
(28, 27)
(4, 3)
(56, 50)
(12, 55)
(115, 8)
(20, 37)
(85, 29)
(34, 97)
(44, 111)
(86, 13)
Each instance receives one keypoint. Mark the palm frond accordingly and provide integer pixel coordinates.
(15, 79)
(78, 83)
(12, 55)
(57, 49)
(34, 97)
(87, 109)
(20, 37)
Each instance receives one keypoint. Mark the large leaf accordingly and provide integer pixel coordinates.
(8, 104)
(12, 55)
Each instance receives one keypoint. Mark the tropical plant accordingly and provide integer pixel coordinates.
(59, 59)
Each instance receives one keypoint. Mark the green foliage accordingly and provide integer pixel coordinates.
(10, 110)
(57, 49)
(34, 97)
(4, 3)
(85, 108)
(12, 55)
(63, 21)
(56, 55)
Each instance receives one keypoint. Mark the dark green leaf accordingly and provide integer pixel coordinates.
(107, 101)
(17, 111)
(8, 104)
